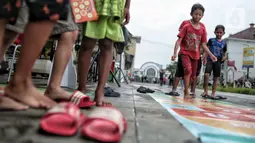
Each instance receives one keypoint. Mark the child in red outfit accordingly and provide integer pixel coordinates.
(191, 37)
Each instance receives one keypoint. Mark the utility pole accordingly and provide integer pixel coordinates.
(248, 70)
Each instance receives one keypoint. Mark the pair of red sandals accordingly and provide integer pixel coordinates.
(104, 124)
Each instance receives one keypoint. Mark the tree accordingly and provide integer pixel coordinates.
(172, 67)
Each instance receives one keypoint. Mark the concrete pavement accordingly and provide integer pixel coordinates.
(239, 99)
(148, 122)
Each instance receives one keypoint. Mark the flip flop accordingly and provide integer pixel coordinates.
(221, 97)
(173, 93)
(141, 89)
(62, 119)
(149, 90)
(206, 96)
(109, 92)
(105, 124)
(193, 95)
(218, 97)
(81, 100)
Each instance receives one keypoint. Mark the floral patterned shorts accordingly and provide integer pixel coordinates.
(38, 9)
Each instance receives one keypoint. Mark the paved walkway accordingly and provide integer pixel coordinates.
(151, 118)
(148, 122)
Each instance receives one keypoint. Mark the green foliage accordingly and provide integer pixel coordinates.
(172, 67)
(237, 90)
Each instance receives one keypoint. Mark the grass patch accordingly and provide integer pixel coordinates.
(237, 90)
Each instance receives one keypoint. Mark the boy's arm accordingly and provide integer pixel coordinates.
(225, 53)
(176, 46)
(127, 5)
(206, 49)
(126, 12)
(205, 55)
(178, 42)
(204, 46)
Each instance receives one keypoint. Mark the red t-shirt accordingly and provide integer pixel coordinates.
(191, 40)
(188, 22)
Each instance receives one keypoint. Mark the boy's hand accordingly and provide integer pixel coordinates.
(173, 58)
(126, 16)
(204, 61)
(214, 59)
(223, 59)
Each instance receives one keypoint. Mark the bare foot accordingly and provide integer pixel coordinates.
(28, 95)
(99, 99)
(83, 90)
(57, 93)
(187, 97)
(1, 88)
(8, 103)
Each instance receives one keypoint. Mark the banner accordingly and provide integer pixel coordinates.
(248, 57)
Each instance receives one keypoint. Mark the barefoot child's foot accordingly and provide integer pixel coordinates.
(57, 94)
(28, 95)
(99, 99)
(7, 103)
(83, 90)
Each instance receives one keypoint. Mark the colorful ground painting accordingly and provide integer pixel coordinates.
(211, 121)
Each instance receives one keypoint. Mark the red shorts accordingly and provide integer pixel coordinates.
(189, 66)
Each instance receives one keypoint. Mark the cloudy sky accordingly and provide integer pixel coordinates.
(157, 22)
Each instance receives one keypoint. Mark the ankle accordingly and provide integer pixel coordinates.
(186, 91)
(81, 88)
(52, 86)
(19, 80)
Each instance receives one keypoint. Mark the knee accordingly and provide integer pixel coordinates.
(206, 74)
(69, 37)
(75, 35)
(105, 45)
(188, 71)
(9, 38)
(88, 44)
(66, 38)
